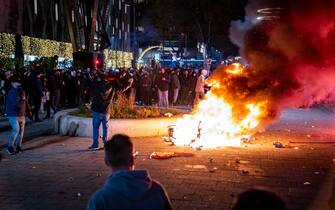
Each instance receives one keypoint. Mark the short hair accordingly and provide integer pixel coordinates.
(256, 199)
(119, 151)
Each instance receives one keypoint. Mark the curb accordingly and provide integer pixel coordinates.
(32, 135)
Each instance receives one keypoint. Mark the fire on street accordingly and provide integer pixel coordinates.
(301, 173)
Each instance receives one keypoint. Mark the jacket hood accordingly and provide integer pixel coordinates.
(131, 184)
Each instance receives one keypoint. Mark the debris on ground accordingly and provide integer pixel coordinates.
(168, 114)
(78, 194)
(316, 172)
(309, 136)
(246, 140)
(245, 172)
(278, 144)
(212, 170)
(167, 155)
(307, 183)
(196, 166)
(210, 159)
(168, 139)
(296, 147)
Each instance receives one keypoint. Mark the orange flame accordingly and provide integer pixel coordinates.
(221, 119)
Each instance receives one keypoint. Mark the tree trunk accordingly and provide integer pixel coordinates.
(19, 56)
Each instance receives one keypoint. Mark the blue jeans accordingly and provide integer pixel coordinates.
(99, 118)
(163, 98)
(16, 134)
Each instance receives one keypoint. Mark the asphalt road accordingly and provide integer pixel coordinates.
(59, 173)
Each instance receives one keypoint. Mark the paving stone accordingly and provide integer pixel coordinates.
(50, 173)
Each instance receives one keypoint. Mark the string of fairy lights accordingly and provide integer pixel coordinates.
(48, 48)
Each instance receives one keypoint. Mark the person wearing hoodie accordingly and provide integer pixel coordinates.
(127, 188)
(16, 108)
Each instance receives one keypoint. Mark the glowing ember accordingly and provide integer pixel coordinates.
(221, 119)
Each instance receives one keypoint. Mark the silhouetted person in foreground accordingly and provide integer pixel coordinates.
(126, 188)
(259, 200)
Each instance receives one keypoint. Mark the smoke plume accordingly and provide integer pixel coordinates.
(291, 58)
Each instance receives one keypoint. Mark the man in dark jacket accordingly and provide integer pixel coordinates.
(16, 104)
(175, 85)
(102, 91)
(185, 87)
(126, 188)
(35, 85)
(145, 88)
(162, 84)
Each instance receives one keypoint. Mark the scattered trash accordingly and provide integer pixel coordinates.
(210, 159)
(289, 130)
(237, 161)
(334, 160)
(308, 136)
(245, 140)
(199, 167)
(167, 155)
(245, 172)
(169, 139)
(78, 194)
(316, 172)
(312, 148)
(98, 174)
(307, 183)
(296, 147)
(33, 167)
(196, 166)
(278, 144)
(168, 114)
(313, 126)
(212, 170)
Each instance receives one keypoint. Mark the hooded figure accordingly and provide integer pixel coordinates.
(127, 188)
(133, 190)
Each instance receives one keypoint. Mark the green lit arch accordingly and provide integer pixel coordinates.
(138, 62)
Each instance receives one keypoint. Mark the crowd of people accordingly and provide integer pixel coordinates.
(50, 90)
(40, 90)
(126, 188)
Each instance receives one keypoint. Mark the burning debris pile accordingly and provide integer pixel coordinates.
(226, 115)
(291, 63)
